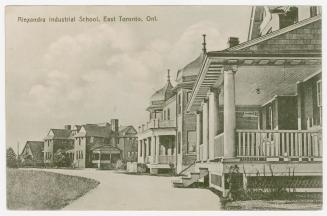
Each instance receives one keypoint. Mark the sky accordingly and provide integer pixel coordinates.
(77, 73)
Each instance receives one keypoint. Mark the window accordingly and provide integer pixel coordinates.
(313, 11)
(179, 142)
(92, 139)
(79, 141)
(168, 114)
(140, 148)
(164, 115)
(179, 103)
(191, 141)
(319, 100)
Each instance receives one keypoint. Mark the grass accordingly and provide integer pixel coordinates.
(274, 205)
(40, 190)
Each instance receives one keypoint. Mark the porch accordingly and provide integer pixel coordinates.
(157, 149)
(105, 156)
(273, 145)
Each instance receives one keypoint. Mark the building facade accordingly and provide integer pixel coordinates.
(168, 139)
(32, 154)
(258, 106)
(57, 139)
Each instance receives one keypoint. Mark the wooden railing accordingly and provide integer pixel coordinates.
(157, 123)
(278, 143)
(166, 159)
(219, 145)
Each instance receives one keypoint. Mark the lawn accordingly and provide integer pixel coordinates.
(274, 205)
(40, 190)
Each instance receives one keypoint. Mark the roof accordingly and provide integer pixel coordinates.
(123, 130)
(274, 34)
(105, 148)
(164, 93)
(58, 134)
(190, 70)
(297, 46)
(94, 130)
(36, 147)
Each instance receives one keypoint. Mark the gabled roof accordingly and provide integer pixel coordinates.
(127, 130)
(36, 147)
(94, 130)
(58, 134)
(312, 33)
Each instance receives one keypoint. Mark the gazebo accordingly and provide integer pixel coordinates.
(105, 154)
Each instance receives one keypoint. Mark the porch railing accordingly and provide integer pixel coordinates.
(167, 159)
(157, 123)
(278, 143)
(219, 145)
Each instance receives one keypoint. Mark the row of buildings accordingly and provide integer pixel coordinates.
(255, 106)
(88, 145)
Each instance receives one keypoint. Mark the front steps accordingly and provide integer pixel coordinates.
(187, 181)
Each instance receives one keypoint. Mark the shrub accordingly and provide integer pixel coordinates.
(61, 159)
(11, 158)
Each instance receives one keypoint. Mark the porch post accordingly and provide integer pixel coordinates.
(299, 104)
(139, 153)
(99, 165)
(157, 148)
(205, 130)
(229, 112)
(198, 134)
(153, 149)
(213, 120)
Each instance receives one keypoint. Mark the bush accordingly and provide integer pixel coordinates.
(141, 168)
(11, 158)
(61, 159)
(120, 165)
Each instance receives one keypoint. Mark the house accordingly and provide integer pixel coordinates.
(128, 143)
(32, 153)
(168, 139)
(57, 139)
(258, 105)
(91, 139)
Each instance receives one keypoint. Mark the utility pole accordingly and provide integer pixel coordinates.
(18, 150)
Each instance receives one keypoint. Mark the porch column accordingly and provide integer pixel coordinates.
(99, 165)
(299, 104)
(157, 148)
(213, 120)
(139, 150)
(229, 112)
(153, 149)
(205, 130)
(198, 134)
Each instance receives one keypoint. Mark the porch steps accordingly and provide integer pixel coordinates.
(193, 177)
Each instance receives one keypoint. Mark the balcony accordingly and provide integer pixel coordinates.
(157, 123)
(279, 143)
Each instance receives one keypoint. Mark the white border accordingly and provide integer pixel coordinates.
(3, 3)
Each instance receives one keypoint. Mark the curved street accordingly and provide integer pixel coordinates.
(120, 191)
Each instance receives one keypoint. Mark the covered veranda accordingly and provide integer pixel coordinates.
(104, 155)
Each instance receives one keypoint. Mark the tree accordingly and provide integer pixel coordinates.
(11, 158)
(61, 159)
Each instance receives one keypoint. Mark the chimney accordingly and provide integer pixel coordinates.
(68, 127)
(114, 125)
(233, 41)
